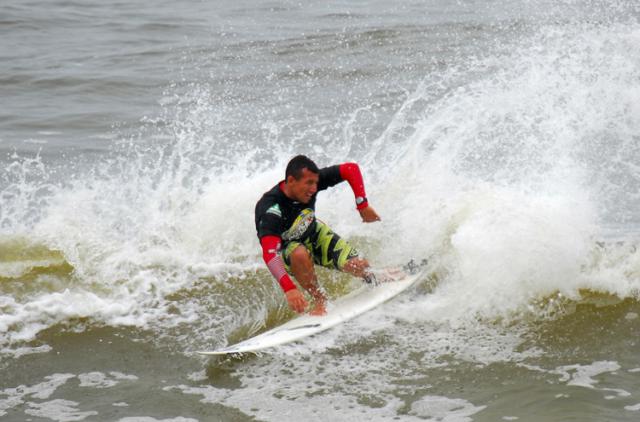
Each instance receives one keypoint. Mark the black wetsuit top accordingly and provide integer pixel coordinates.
(276, 213)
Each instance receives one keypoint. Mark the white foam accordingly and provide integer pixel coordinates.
(19, 395)
(23, 351)
(444, 409)
(583, 375)
(633, 408)
(497, 179)
(268, 406)
(101, 380)
(58, 410)
(505, 252)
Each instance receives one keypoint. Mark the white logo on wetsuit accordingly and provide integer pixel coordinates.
(300, 225)
(275, 210)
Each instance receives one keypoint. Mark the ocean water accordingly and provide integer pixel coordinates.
(500, 139)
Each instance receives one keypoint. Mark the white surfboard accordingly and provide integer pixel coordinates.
(345, 308)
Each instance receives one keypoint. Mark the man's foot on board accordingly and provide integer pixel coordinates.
(376, 277)
(370, 278)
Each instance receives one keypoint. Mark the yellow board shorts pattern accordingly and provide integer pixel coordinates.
(327, 248)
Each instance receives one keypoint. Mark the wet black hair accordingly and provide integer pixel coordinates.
(297, 164)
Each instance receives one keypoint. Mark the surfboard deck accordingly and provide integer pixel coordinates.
(359, 301)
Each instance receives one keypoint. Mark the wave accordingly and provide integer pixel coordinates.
(506, 169)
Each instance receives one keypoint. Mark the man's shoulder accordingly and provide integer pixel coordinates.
(269, 200)
(329, 176)
(269, 213)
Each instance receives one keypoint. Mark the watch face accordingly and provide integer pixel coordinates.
(360, 200)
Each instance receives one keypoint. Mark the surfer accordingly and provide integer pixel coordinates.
(293, 240)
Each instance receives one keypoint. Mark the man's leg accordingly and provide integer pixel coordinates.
(304, 272)
(334, 252)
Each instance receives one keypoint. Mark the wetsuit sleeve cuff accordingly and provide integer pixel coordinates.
(277, 269)
(361, 203)
(286, 283)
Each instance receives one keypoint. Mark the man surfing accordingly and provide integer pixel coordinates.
(291, 237)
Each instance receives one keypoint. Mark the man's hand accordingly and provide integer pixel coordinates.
(296, 300)
(369, 215)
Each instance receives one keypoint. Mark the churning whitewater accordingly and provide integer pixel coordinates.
(503, 145)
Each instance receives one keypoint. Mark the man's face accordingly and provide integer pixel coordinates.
(303, 189)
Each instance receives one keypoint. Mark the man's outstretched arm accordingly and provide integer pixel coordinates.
(352, 174)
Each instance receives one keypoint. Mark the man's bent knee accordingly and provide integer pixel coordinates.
(300, 256)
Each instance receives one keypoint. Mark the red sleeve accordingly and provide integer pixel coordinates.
(351, 173)
(270, 247)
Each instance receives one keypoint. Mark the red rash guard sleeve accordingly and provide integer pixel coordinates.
(270, 246)
(351, 173)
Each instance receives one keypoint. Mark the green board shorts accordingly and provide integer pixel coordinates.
(327, 248)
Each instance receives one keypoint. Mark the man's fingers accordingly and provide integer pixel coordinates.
(369, 215)
(297, 302)
(301, 306)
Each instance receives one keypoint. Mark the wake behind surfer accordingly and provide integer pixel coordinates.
(293, 240)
